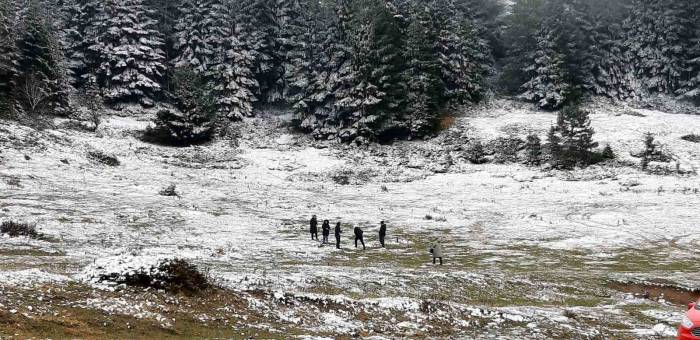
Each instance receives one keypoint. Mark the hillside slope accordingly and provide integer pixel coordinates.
(523, 245)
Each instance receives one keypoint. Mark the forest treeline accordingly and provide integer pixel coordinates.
(349, 69)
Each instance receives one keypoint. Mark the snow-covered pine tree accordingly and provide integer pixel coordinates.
(230, 74)
(80, 33)
(9, 55)
(356, 95)
(295, 43)
(260, 29)
(192, 122)
(129, 50)
(549, 85)
(166, 13)
(533, 148)
(690, 83)
(520, 36)
(478, 60)
(193, 35)
(487, 21)
(422, 74)
(386, 66)
(674, 44)
(574, 132)
(611, 71)
(657, 40)
(329, 57)
(450, 52)
(370, 99)
(41, 86)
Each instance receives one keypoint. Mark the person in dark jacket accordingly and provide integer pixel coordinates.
(314, 228)
(337, 235)
(326, 229)
(382, 233)
(358, 236)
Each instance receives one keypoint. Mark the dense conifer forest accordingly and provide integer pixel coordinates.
(348, 69)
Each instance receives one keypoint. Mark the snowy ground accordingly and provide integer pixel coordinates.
(529, 253)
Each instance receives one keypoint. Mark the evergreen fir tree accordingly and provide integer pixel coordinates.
(658, 41)
(80, 34)
(690, 83)
(295, 42)
(9, 55)
(333, 77)
(549, 85)
(523, 27)
(196, 37)
(386, 45)
(41, 86)
(192, 121)
(450, 52)
(129, 50)
(533, 147)
(478, 60)
(166, 13)
(554, 147)
(260, 28)
(422, 74)
(571, 141)
(230, 75)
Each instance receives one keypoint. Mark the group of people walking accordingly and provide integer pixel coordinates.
(326, 231)
(435, 247)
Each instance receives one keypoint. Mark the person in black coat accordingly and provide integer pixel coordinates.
(337, 235)
(382, 233)
(326, 229)
(314, 228)
(358, 237)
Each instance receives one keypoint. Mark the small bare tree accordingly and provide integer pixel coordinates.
(34, 95)
(91, 102)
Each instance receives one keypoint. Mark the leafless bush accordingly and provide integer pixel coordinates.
(13, 182)
(17, 229)
(169, 191)
(103, 158)
(176, 275)
(691, 138)
(34, 95)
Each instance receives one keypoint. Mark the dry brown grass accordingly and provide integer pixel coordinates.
(447, 121)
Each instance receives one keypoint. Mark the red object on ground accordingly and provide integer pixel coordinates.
(690, 326)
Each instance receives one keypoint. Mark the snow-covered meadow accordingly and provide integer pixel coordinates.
(530, 252)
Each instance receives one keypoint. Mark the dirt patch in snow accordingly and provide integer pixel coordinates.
(658, 291)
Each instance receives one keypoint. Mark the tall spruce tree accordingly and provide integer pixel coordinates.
(231, 72)
(260, 28)
(193, 120)
(315, 113)
(549, 85)
(422, 74)
(9, 55)
(657, 37)
(523, 26)
(129, 50)
(386, 45)
(197, 35)
(80, 33)
(41, 86)
(295, 41)
(449, 50)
